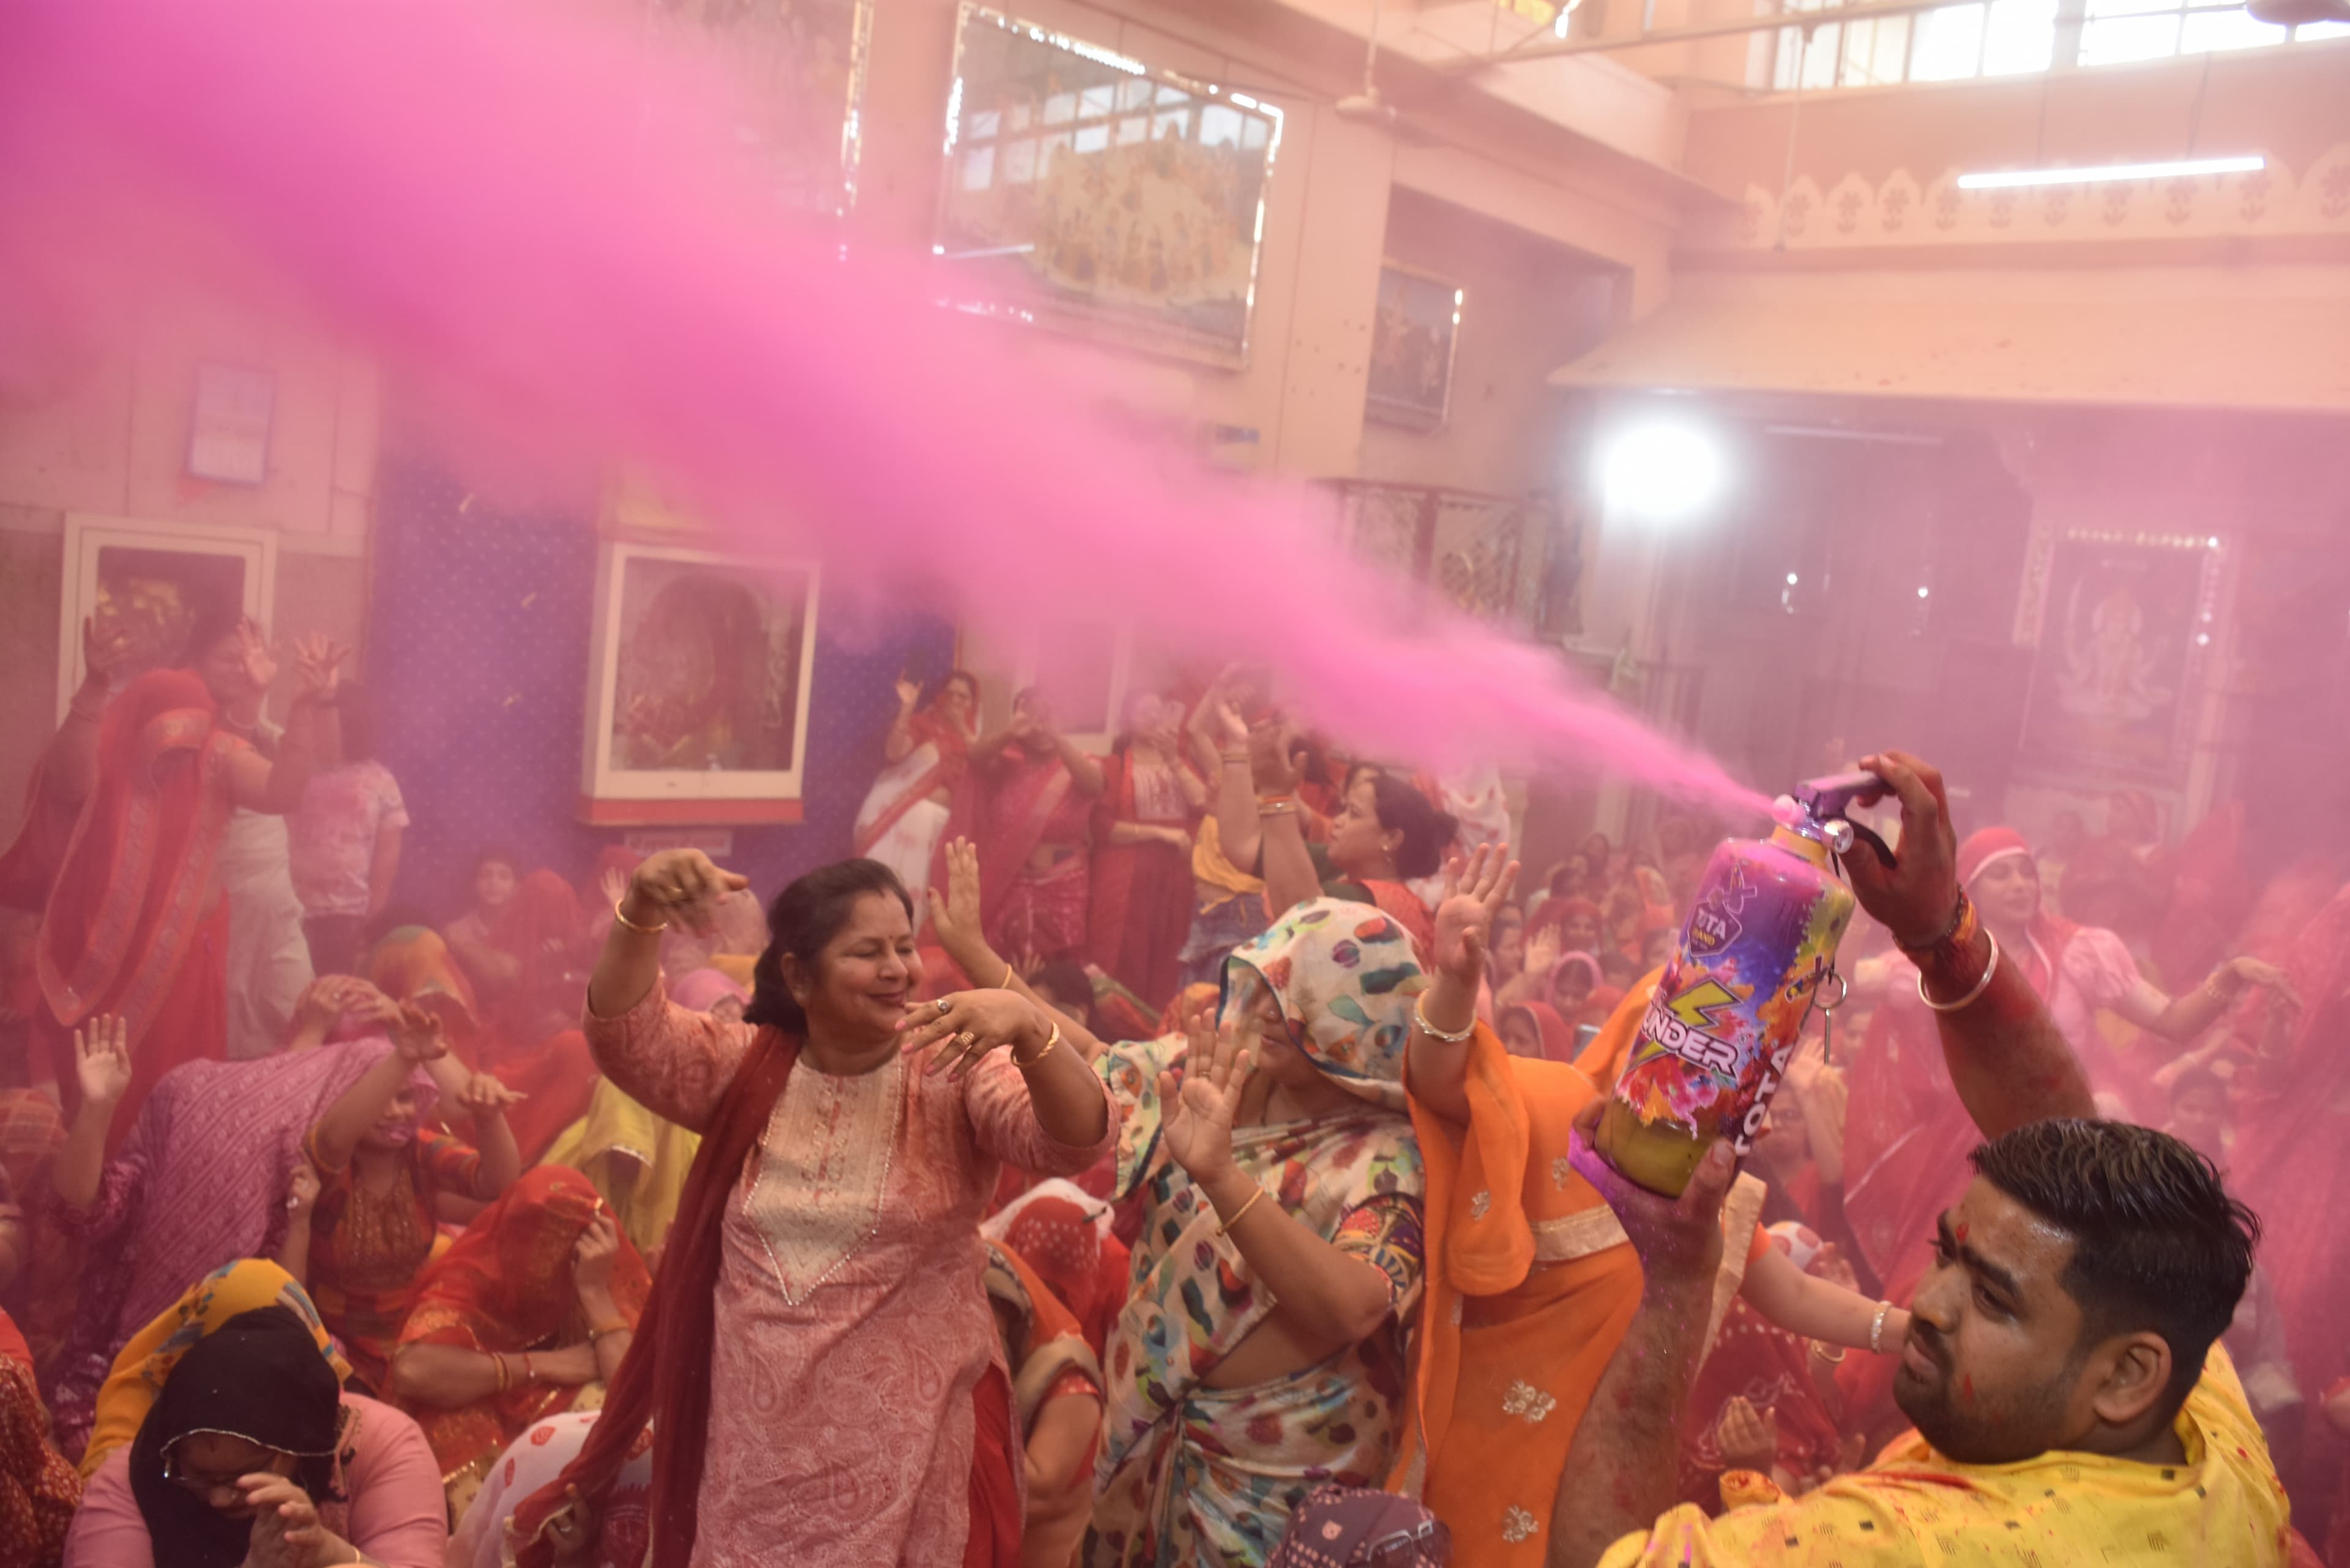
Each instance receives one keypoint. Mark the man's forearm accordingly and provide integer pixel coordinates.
(2009, 1062)
(1622, 1467)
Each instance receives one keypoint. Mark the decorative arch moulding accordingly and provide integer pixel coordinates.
(1853, 213)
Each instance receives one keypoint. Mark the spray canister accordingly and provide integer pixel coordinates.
(1759, 946)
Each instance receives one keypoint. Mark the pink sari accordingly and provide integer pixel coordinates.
(1032, 801)
(1141, 892)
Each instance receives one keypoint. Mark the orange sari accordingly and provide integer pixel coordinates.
(1531, 1285)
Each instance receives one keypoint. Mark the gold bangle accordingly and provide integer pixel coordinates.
(641, 931)
(1820, 1349)
(1051, 1040)
(1226, 1228)
(1420, 1016)
(504, 1377)
(1005, 983)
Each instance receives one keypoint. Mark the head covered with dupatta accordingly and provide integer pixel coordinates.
(1345, 980)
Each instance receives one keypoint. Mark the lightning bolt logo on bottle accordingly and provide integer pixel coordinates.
(1714, 1042)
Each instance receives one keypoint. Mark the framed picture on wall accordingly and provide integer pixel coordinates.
(2123, 631)
(1087, 191)
(698, 679)
(1413, 337)
(800, 69)
(153, 581)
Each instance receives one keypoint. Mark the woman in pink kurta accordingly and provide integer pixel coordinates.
(851, 1407)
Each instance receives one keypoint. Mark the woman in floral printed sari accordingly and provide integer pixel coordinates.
(1261, 1354)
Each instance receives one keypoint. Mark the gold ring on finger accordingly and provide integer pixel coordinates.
(965, 1039)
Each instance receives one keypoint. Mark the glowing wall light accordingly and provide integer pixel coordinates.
(1662, 470)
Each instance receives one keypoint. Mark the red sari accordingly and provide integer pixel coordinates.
(135, 925)
(2291, 1161)
(505, 1288)
(1031, 801)
(1141, 892)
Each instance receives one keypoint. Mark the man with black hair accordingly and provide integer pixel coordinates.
(2073, 1404)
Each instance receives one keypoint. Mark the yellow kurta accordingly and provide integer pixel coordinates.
(2224, 1505)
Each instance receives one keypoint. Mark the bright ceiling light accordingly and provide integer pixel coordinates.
(2009, 179)
(1661, 471)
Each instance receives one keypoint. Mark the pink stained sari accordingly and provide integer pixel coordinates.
(1141, 892)
(202, 1181)
(1030, 801)
(134, 924)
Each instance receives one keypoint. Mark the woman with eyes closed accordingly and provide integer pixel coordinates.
(823, 1279)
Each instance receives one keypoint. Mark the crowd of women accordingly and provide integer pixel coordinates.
(1149, 1158)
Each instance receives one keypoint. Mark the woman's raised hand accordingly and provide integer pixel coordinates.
(1197, 1112)
(971, 1024)
(680, 885)
(102, 1059)
(486, 1094)
(416, 1035)
(317, 663)
(1474, 892)
(908, 693)
(592, 1258)
(1543, 950)
(254, 656)
(955, 918)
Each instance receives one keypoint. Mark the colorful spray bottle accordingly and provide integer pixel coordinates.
(1757, 952)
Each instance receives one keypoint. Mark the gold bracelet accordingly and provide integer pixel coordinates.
(641, 931)
(1226, 1228)
(1055, 1039)
(1420, 1015)
(1820, 1349)
(1005, 983)
(505, 1378)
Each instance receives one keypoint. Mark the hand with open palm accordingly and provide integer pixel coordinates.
(1199, 1109)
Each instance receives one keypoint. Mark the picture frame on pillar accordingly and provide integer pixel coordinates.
(1414, 337)
(2122, 628)
(699, 668)
(1091, 193)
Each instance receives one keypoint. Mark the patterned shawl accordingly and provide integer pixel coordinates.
(1345, 982)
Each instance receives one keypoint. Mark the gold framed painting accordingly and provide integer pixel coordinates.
(1090, 192)
(1414, 336)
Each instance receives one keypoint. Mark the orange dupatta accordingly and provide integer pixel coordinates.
(1531, 1285)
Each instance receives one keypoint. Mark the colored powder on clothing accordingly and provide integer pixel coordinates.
(529, 221)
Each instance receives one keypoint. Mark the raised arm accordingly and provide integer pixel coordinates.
(1225, 737)
(68, 768)
(416, 1039)
(274, 786)
(2008, 1060)
(956, 919)
(1474, 892)
(901, 739)
(102, 1071)
(1622, 1470)
(676, 884)
(1330, 1297)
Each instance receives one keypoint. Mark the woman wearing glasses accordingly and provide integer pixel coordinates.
(253, 1454)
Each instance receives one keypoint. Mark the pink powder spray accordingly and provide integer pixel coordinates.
(526, 220)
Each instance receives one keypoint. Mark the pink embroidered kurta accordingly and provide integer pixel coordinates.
(852, 1323)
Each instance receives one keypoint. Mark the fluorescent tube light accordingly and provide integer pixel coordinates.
(2008, 178)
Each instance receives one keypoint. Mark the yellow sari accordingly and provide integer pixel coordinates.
(617, 1133)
